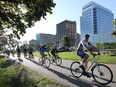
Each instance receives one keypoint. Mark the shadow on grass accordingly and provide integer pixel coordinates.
(18, 76)
(22, 79)
(7, 63)
(2, 56)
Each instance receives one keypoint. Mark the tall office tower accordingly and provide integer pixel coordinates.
(97, 21)
(66, 28)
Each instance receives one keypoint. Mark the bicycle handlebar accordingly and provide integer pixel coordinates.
(96, 54)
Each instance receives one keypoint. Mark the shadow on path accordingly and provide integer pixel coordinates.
(78, 82)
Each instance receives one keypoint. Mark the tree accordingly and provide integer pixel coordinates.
(106, 45)
(18, 15)
(49, 44)
(113, 45)
(99, 45)
(66, 41)
(114, 32)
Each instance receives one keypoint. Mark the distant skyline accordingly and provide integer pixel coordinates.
(64, 10)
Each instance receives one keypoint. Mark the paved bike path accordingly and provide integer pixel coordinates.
(63, 75)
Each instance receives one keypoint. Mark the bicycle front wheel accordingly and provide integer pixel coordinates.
(102, 74)
(40, 60)
(58, 61)
(75, 69)
(47, 62)
(51, 60)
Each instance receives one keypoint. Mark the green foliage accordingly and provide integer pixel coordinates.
(18, 15)
(49, 45)
(99, 45)
(66, 41)
(114, 32)
(106, 45)
(35, 46)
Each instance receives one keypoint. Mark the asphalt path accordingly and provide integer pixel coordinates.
(63, 75)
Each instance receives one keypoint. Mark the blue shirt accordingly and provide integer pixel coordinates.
(42, 50)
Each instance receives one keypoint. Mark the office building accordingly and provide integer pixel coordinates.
(33, 42)
(66, 28)
(45, 38)
(97, 21)
(77, 38)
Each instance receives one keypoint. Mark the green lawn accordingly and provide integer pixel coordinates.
(13, 74)
(103, 58)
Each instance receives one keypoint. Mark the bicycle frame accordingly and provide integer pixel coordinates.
(94, 62)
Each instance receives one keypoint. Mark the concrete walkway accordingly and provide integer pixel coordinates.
(63, 75)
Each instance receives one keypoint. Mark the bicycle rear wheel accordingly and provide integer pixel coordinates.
(102, 74)
(75, 69)
(47, 62)
(58, 61)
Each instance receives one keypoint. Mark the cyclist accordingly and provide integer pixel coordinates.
(8, 53)
(54, 51)
(30, 51)
(43, 49)
(18, 51)
(85, 44)
(25, 52)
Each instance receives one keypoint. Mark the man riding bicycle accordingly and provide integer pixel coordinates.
(30, 51)
(54, 51)
(25, 52)
(18, 51)
(43, 49)
(85, 44)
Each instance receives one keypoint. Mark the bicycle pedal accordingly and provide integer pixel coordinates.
(82, 67)
(86, 74)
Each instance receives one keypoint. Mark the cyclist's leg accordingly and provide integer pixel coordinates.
(43, 57)
(84, 59)
(54, 55)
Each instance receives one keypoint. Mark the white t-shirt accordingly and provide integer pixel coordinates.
(82, 42)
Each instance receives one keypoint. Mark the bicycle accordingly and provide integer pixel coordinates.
(25, 55)
(56, 60)
(45, 61)
(30, 56)
(18, 55)
(101, 73)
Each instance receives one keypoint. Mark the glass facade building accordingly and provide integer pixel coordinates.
(97, 21)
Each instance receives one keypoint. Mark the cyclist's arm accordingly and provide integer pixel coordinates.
(84, 45)
(94, 48)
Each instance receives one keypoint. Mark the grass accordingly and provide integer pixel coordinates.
(13, 74)
(103, 58)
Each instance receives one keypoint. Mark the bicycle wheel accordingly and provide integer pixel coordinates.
(102, 74)
(75, 69)
(58, 61)
(40, 60)
(51, 60)
(47, 62)
(32, 58)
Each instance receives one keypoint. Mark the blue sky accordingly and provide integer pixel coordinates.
(64, 9)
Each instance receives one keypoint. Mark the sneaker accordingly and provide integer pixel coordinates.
(86, 74)
(82, 67)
